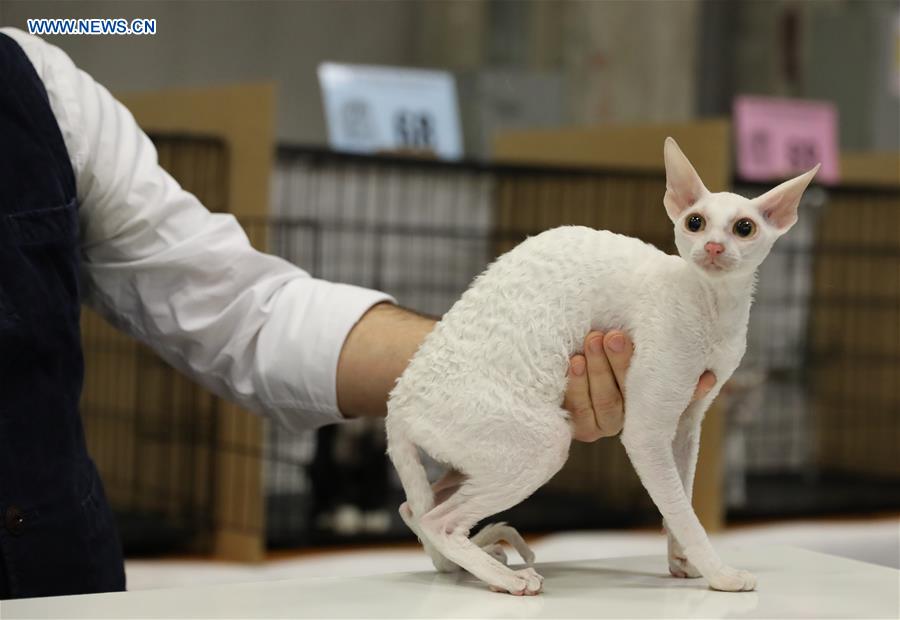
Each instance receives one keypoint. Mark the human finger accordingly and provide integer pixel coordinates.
(577, 402)
(606, 397)
(706, 383)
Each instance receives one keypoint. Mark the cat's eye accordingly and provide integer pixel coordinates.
(695, 223)
(744, 227)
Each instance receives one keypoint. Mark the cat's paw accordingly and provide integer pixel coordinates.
(729, 579)
(679, 566)
(525, 582)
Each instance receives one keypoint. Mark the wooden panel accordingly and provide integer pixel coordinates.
(863, 168)
(640, 147)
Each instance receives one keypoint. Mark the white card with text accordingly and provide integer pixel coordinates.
(371, 109)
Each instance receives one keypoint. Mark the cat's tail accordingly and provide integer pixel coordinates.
(405, 456)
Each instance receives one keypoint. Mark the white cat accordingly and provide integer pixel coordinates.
(483, 393)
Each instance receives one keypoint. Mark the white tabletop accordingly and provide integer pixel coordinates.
(793, 583)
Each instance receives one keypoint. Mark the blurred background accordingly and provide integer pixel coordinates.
(532, 115)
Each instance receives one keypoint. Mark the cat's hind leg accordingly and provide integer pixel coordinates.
(490, 535)
(488, 538)
(447, 529)
(499, 483)
(442, 489)
(420, 496)
(441, 564)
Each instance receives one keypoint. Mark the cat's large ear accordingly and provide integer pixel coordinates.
(779, 205)
(683, 184)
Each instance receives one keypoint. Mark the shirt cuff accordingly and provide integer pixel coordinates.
(301, 381)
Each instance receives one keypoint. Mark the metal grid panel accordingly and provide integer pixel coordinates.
(813, 417)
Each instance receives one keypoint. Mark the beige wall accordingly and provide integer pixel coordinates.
(630, 62)
(622, 61)
(646, 73)
(214, 43)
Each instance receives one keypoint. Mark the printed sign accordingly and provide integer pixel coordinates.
(371, 109)
(780, 138)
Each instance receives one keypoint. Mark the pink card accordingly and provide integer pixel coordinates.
(780, 138)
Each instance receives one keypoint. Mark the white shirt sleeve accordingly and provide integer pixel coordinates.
(156, 263)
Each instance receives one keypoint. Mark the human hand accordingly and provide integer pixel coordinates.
(594, 394)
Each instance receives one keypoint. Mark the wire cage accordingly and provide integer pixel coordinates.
(421, 231)
(815, 419)
(780, 460)
(812, 415)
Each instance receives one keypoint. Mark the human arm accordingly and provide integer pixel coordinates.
(374, 355)
(249, 326)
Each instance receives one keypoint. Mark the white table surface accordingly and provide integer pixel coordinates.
(793, 583)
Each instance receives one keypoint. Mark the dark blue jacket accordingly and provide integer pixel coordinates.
(57, 534)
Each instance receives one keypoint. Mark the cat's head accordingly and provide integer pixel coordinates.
(724, 234)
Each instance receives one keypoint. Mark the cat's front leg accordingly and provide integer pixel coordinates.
(686, 449)
(651, 424)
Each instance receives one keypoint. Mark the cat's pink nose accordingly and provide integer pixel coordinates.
(714, 249)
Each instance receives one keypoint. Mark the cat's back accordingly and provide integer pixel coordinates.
(591, 242)
(526, 314)
(566, 256)
(575, 263)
